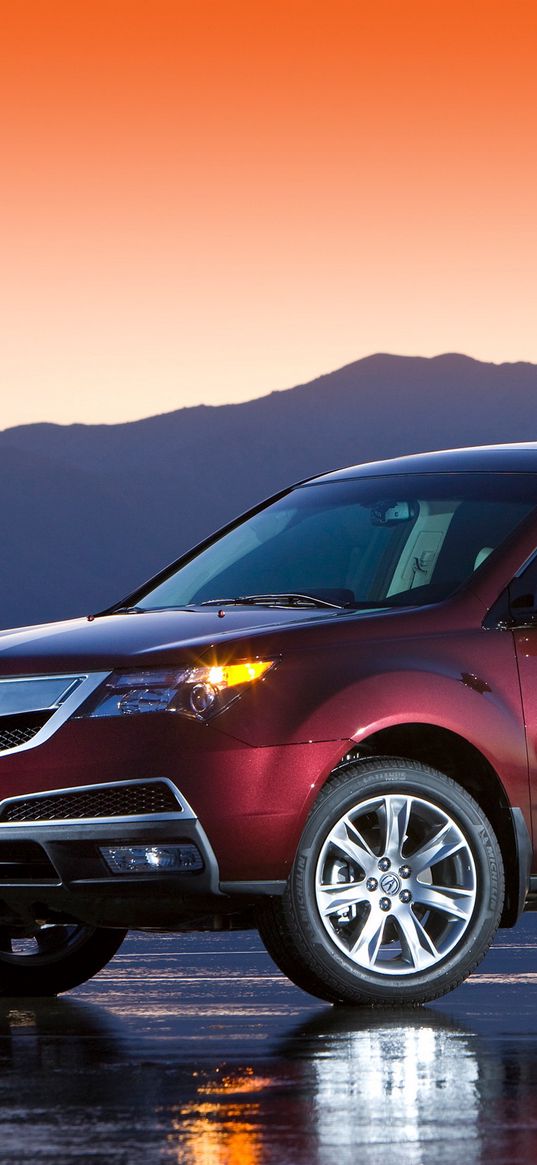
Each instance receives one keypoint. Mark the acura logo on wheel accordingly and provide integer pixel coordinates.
(390, 884)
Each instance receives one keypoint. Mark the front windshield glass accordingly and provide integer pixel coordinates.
(359, 542)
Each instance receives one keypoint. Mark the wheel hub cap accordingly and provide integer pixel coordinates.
(390, 884)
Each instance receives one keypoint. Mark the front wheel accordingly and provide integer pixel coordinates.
(396, 891)
(46, 960)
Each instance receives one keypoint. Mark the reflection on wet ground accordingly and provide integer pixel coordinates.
(195, 1050)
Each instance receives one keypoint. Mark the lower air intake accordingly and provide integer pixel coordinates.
(102, 801)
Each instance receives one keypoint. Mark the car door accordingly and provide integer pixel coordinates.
(521, 617)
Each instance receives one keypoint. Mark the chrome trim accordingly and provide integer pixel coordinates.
(90, 682)
(184, 813)
(525, 565)
(69, 679)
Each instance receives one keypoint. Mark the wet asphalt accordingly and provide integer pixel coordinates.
(195, 1049)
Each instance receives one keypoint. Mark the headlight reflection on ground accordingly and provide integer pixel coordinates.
(221, 1128)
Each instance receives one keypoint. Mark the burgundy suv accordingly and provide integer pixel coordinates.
(322, 722)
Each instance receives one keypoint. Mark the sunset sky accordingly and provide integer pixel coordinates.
(206, 200)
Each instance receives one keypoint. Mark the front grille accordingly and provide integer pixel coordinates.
(18, 729)
(101, 801)
(25, 861)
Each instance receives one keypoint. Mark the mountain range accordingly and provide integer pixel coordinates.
(89, 511)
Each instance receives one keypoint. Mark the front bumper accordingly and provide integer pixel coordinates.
(252, 802)
(52, 868)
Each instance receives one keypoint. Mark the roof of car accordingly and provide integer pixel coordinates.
(520, 458)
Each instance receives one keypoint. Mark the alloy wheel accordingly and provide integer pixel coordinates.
(396, 884)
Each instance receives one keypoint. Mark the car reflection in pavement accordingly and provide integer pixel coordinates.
(255, 1073)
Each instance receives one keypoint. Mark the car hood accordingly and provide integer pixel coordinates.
(109, 641)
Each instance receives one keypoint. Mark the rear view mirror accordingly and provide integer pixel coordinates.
(390, 513)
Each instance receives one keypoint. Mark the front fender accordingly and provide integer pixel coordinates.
(464, 681)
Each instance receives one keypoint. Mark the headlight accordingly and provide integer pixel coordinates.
(197, 692)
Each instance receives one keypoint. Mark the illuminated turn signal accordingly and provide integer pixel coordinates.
(238, 673)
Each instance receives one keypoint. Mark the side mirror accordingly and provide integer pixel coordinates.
(522, 606)
(515, 607)
(522, 602)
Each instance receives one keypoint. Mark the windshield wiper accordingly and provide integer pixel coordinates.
(128, 611)
(286, 599)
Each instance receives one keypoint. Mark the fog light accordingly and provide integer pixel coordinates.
(146, 859)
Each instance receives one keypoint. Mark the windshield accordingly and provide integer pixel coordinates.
(360, 542)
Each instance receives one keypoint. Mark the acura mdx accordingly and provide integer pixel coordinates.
(321, 722)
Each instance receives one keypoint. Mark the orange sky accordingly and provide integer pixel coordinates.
(206, 200)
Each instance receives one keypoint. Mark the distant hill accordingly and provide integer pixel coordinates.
(89, 511)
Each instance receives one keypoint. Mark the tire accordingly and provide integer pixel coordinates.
(396, 890)
(47, 960)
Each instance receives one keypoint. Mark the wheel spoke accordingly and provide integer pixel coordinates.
(352, 843)
(339, 896)
(446, 842)
(366, 947)
(416, 944)
(397, 812)
(445, 898)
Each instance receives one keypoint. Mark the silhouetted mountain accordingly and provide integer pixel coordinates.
(89, 511)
